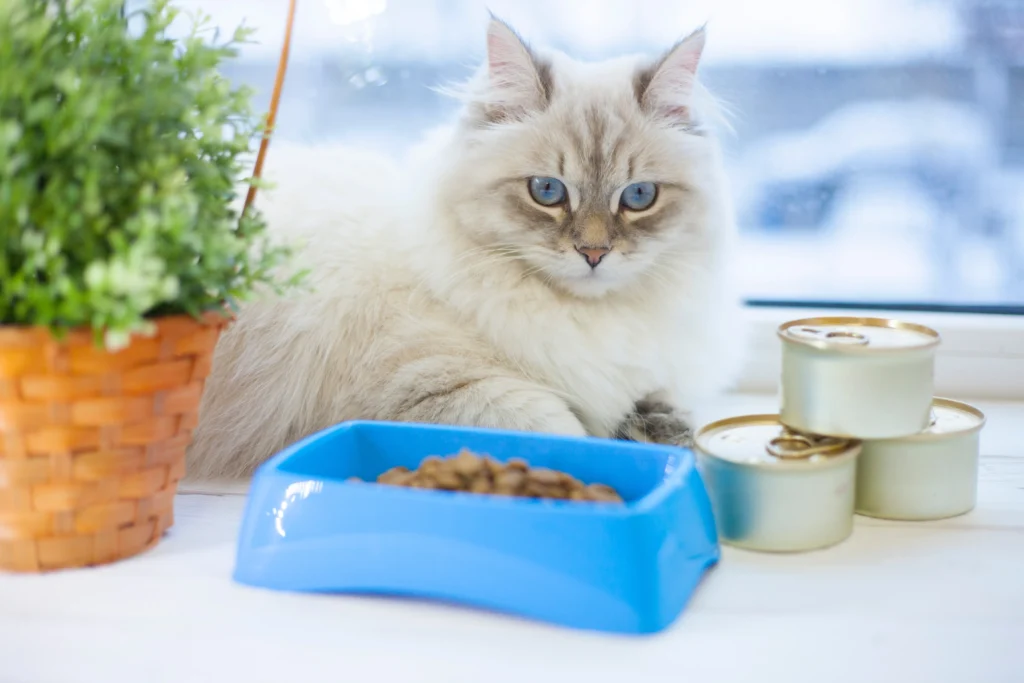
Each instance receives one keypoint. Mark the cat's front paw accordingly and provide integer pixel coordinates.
(656, 422)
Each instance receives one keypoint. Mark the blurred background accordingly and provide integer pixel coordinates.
(878, 153)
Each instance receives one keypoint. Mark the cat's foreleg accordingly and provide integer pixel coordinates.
(450, 390)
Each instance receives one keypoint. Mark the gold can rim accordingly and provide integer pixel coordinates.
(941, 436)
(832, 457)
(783, 331)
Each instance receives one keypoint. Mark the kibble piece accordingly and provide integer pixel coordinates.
(448, 479)
(554, 492)
(518, 464)
(405, 478)
(431, 464)
(423, 482)
(467, 464)
(393, 475)
(545, 476)
(493, 467)
(537, 489)
(509, 482)
(481, 485)
(603, 493)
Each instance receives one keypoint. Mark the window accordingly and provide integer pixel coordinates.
(879, 145)
(878, 153)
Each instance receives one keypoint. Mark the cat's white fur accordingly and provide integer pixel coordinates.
(411, 311)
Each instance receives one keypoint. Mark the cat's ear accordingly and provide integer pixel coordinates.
(666, 88)
(518, 83)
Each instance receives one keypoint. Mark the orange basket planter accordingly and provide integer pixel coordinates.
(92, 443)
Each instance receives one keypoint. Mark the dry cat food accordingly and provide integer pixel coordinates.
(473, 473)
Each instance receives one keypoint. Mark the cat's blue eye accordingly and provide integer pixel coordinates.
(547, 191)
(639, 196)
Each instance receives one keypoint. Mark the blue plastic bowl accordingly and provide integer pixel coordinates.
(610, 567)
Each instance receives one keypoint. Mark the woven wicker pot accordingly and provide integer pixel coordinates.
(92, 443)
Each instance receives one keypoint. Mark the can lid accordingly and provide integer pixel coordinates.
(952, 417)
(762, 441)
(858, 334)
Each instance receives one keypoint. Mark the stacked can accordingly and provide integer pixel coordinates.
(859, 431)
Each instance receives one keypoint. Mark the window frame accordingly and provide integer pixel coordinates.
(981, 355)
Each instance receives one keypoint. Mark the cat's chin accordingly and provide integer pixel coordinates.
(591, 286)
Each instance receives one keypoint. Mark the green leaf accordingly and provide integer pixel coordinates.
(122, 157)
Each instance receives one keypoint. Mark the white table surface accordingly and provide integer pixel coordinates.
(902, 602)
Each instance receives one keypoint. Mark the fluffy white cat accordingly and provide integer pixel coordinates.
(556, 261)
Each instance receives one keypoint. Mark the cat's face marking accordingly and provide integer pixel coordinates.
(599, 130)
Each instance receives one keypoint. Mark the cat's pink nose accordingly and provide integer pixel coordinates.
(593, 255)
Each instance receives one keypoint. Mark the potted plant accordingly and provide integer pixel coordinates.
(122, 151)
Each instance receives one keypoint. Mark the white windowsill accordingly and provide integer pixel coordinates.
(981, 356)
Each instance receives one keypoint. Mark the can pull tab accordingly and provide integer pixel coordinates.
(844, 337)
(792, 446)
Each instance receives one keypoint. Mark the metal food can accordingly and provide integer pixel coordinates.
(931, 475)
(857, 378)
(776, 490)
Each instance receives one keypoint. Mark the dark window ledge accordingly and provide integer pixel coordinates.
(987, 309)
